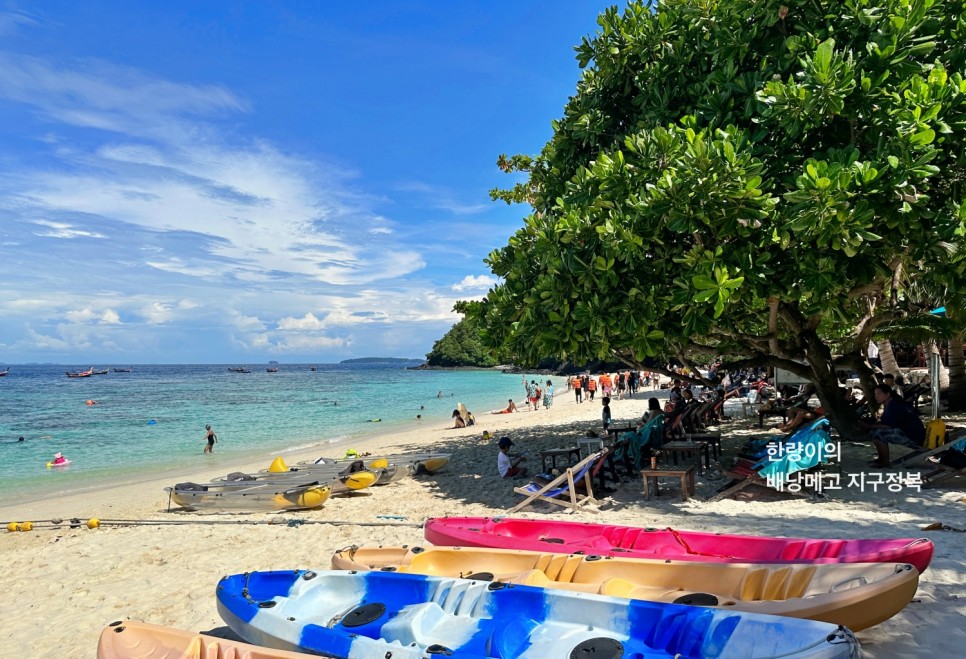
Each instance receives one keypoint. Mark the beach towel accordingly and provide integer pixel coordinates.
(805, 449)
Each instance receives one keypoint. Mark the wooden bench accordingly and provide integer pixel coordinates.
(686, 477)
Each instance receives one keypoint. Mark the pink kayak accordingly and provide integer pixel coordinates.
(635, 542)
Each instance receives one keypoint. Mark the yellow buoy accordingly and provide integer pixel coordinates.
(93, 523)
(13, 527)
(278, 466)
(27, 526)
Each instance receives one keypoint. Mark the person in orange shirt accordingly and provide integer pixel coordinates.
(606, 384)
(591, 388)
(578, 388)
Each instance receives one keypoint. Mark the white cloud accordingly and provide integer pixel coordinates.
(307, 342)
(36, 341)
(306, 322)
(98, 94)
(61, 230)
(156, 313)
(88, 315)
(475, 283)
(110, 317)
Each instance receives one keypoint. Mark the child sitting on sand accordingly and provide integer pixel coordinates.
(507, 464)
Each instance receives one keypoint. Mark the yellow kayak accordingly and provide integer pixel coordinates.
(856, 595)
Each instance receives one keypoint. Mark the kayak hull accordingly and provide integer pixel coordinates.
(856, 596)
(635, 542)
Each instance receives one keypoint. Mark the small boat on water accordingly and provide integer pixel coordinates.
(637, 542)
(123, 370)
(248, 496)
(856, 595)
(130, 639)
(80, 374)
(412, 616)
(103, 372)
(272, 369)
(239, 369)
(4, 373)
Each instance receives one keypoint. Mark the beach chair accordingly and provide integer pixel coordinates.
(941, 472)
(564, 484)
(630, 445)
(922, 454)
(808, 448)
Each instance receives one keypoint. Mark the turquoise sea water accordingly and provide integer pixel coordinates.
(254, 414)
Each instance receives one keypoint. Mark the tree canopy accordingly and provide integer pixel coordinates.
(755, 178)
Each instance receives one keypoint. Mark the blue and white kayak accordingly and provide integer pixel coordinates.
(359, 615)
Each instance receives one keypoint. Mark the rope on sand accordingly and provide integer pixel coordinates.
(94, 522)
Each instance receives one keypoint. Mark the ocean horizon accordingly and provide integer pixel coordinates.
(152, 419)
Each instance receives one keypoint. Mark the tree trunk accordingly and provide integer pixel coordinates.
(842, 415)
(888, 358)
(932, 348)
(956, 394)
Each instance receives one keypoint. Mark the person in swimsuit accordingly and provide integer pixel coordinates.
(212, 438)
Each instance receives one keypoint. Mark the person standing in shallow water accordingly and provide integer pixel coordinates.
(212, 438)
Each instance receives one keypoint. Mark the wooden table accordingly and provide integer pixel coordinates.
(687, 448)
(712, 438)
(571, 455)
(686, 477)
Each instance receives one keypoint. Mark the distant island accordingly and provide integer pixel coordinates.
(380, 360)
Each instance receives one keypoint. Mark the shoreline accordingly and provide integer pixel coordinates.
(166, 574)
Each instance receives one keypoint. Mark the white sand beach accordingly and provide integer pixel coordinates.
(64, 585)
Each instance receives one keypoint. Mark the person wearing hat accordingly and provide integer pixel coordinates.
(507, 464)
(212, 438)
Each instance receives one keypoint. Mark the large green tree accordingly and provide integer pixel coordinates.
(755, 178)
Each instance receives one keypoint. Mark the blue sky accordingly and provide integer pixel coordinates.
(251, 181)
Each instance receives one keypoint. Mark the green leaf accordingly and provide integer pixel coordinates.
(703, 282)
(893, 162)
(823, 56)
(924, 137)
